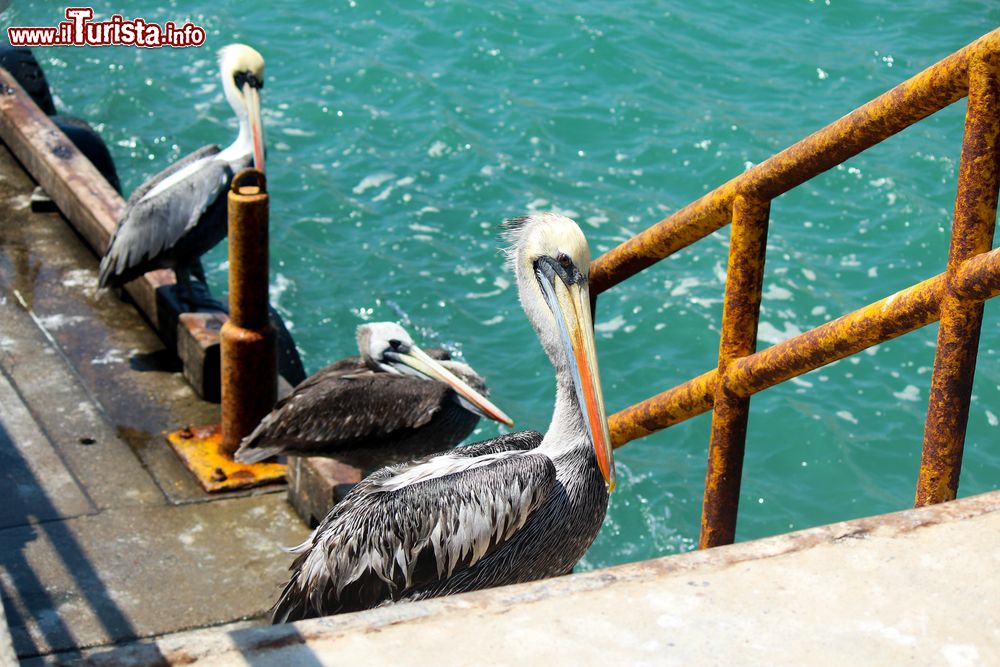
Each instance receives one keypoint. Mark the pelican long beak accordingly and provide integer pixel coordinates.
(425, 365)
(251, 97)
(570, 305)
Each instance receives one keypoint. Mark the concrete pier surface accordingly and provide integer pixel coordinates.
(911, 588)
(104, 536)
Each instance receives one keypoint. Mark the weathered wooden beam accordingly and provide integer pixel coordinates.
(198, 338)
(73, 183)
(92, 207)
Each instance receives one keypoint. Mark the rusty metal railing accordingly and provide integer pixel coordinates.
(954, 297)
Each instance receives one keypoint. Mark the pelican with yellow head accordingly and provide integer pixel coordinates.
(516, 508)
(179, 214)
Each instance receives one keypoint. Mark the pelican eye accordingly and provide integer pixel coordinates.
(397, 345)
(548, 267)
(247, 77)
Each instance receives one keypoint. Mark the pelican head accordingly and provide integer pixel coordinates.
(551, 260)
(242, 70)
(388, 347)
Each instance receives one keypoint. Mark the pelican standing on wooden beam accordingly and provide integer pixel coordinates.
(175, 217)
(394, 402)
(515, 508)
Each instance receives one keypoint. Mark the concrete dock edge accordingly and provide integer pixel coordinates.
(912, 587)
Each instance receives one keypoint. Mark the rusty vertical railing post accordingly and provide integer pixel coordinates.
(248, 339)
(745, 275)
(958, 335)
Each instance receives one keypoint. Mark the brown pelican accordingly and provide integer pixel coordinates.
(394, 398)
(515, 508)
(179, 214)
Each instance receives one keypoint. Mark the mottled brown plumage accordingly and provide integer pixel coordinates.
(366, 412)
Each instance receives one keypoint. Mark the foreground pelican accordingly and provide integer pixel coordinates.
(515, 508)
(179, 214)
(395, 398)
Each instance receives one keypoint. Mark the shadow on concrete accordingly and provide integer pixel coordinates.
(39, 606)
(161, 360)
(274, 646)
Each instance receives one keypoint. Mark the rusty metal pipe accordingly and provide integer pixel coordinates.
(876, 323)
(907, 310)
(961, 319)
(978, 279)
(686, 400)
(740, 311)
(248, 339)
(929, 91)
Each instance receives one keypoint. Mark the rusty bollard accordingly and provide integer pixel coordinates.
(248, 340)
(248, 351)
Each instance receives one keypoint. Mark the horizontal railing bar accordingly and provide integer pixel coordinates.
(670, 407)
(929, 91)
(876, 323)
(978, 279)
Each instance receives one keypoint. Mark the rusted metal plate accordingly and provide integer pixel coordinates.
(200, 448)
(248, 350)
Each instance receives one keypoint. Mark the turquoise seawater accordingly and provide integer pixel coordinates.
(401, 134)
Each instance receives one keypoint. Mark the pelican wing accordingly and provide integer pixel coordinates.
(406, 527)
(161, 211)
(344, 406)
